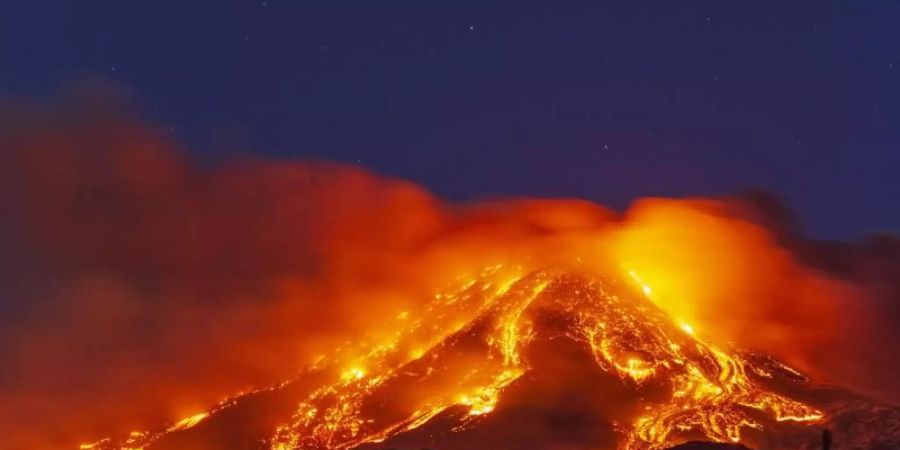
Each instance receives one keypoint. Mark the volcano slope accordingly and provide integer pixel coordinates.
(548, 359)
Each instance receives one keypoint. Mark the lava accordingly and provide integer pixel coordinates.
(348, 308)
(469, 346)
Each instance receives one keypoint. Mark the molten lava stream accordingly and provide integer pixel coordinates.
(467, 347)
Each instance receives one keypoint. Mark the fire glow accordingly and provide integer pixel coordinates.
(407, 313)
(711, 387)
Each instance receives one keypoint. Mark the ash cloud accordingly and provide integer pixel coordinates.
(137, 287)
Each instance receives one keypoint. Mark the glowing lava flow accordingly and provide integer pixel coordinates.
(470, 344)
(335, 416)
(711, 390)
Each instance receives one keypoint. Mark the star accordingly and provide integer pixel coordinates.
(472, 27)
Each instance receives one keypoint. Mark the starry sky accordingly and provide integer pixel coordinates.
(606, 101)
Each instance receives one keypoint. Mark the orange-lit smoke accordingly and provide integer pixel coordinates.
(141, 288)
(729, 279)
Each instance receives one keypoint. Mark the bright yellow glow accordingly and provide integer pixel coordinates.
(353, 373)
(637, 369)
(92, 445)
(188, 422)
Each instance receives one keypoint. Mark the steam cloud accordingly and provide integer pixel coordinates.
(137, 287)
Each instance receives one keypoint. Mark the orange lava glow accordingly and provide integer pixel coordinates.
(711, 389)
(176, 286)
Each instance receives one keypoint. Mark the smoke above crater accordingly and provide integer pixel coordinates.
(138, 286)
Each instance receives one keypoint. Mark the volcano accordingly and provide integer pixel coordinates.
(559, 358)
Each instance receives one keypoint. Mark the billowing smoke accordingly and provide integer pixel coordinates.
(137, 286)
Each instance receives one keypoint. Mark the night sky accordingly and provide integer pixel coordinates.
(598, 100)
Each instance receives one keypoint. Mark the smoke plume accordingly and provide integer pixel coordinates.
(137, 286)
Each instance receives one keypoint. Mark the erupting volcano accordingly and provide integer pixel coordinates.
(456, 362)
(288, 225)
(320, 307)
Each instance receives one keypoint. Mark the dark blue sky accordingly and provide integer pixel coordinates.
(600, 100)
